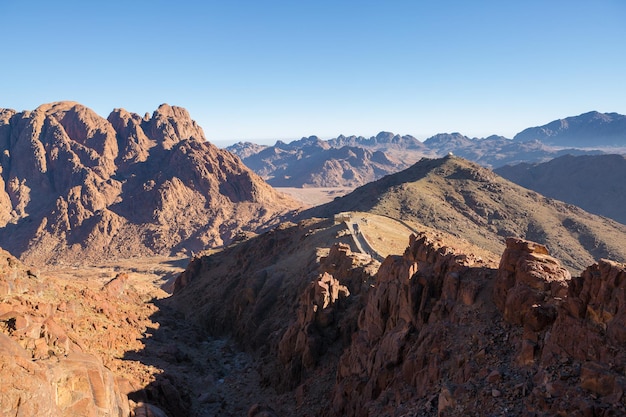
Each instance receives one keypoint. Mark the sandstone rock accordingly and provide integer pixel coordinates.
(86, 388)
(43, 370)
(400, 340)
(306, 338)
(494, 376)
(116, 286)
(77, 385)
(26, 386)
(601, 381)
(445, 401)
(76, 186)
(527, 276)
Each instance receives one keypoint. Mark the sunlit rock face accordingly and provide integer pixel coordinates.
(74, 184)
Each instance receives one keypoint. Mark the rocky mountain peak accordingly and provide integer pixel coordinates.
(171, 124)
(74, 182)
(460, 197)
(133, 143)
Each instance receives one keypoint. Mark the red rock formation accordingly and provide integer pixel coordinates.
(590, 330)
(529, 285)
(402, 345)
(43, 370)
(75, 185)
(437, 332)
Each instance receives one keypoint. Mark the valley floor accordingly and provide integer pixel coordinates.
(172, 360)
(314, 196)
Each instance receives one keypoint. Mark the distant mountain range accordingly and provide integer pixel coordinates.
(591, 129)
(315, 162)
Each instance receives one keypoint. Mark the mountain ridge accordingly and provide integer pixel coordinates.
(531, 145)
(464, 199)
(72, 183)
(588, 129)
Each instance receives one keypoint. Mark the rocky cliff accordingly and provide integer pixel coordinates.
(436, 331)
(46, 367)
(76, 185)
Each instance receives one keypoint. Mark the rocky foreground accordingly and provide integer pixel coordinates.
(436, 331)
(277, 325)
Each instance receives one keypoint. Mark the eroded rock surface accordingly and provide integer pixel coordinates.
(279, 325)
(76, 185)
(46, 370)
(437, 331)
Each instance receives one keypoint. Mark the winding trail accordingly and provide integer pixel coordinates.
(361, 241)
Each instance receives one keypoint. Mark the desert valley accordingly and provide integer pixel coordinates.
(146, 272)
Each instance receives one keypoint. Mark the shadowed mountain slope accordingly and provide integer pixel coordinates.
(75, 185)
(438, 331)
(594, 183)
(462, 198)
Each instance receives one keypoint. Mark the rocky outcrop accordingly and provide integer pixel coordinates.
(402, 346)
(44, 370)
(403, 356)
(325, 316)
(595, 312)
(437, 331)
(284, 298)
(529, 285)
(76, 185)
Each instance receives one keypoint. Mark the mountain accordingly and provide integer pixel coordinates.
(382, 141)
(466, 200)
(592, 129)
(312, 162)
(245, 149)
(594, 183)
(495, 151)
(426, 332)
(77, 186)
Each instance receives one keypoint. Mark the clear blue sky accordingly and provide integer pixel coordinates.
(267, 70)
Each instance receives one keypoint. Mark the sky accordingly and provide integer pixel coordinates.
(268, 70)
